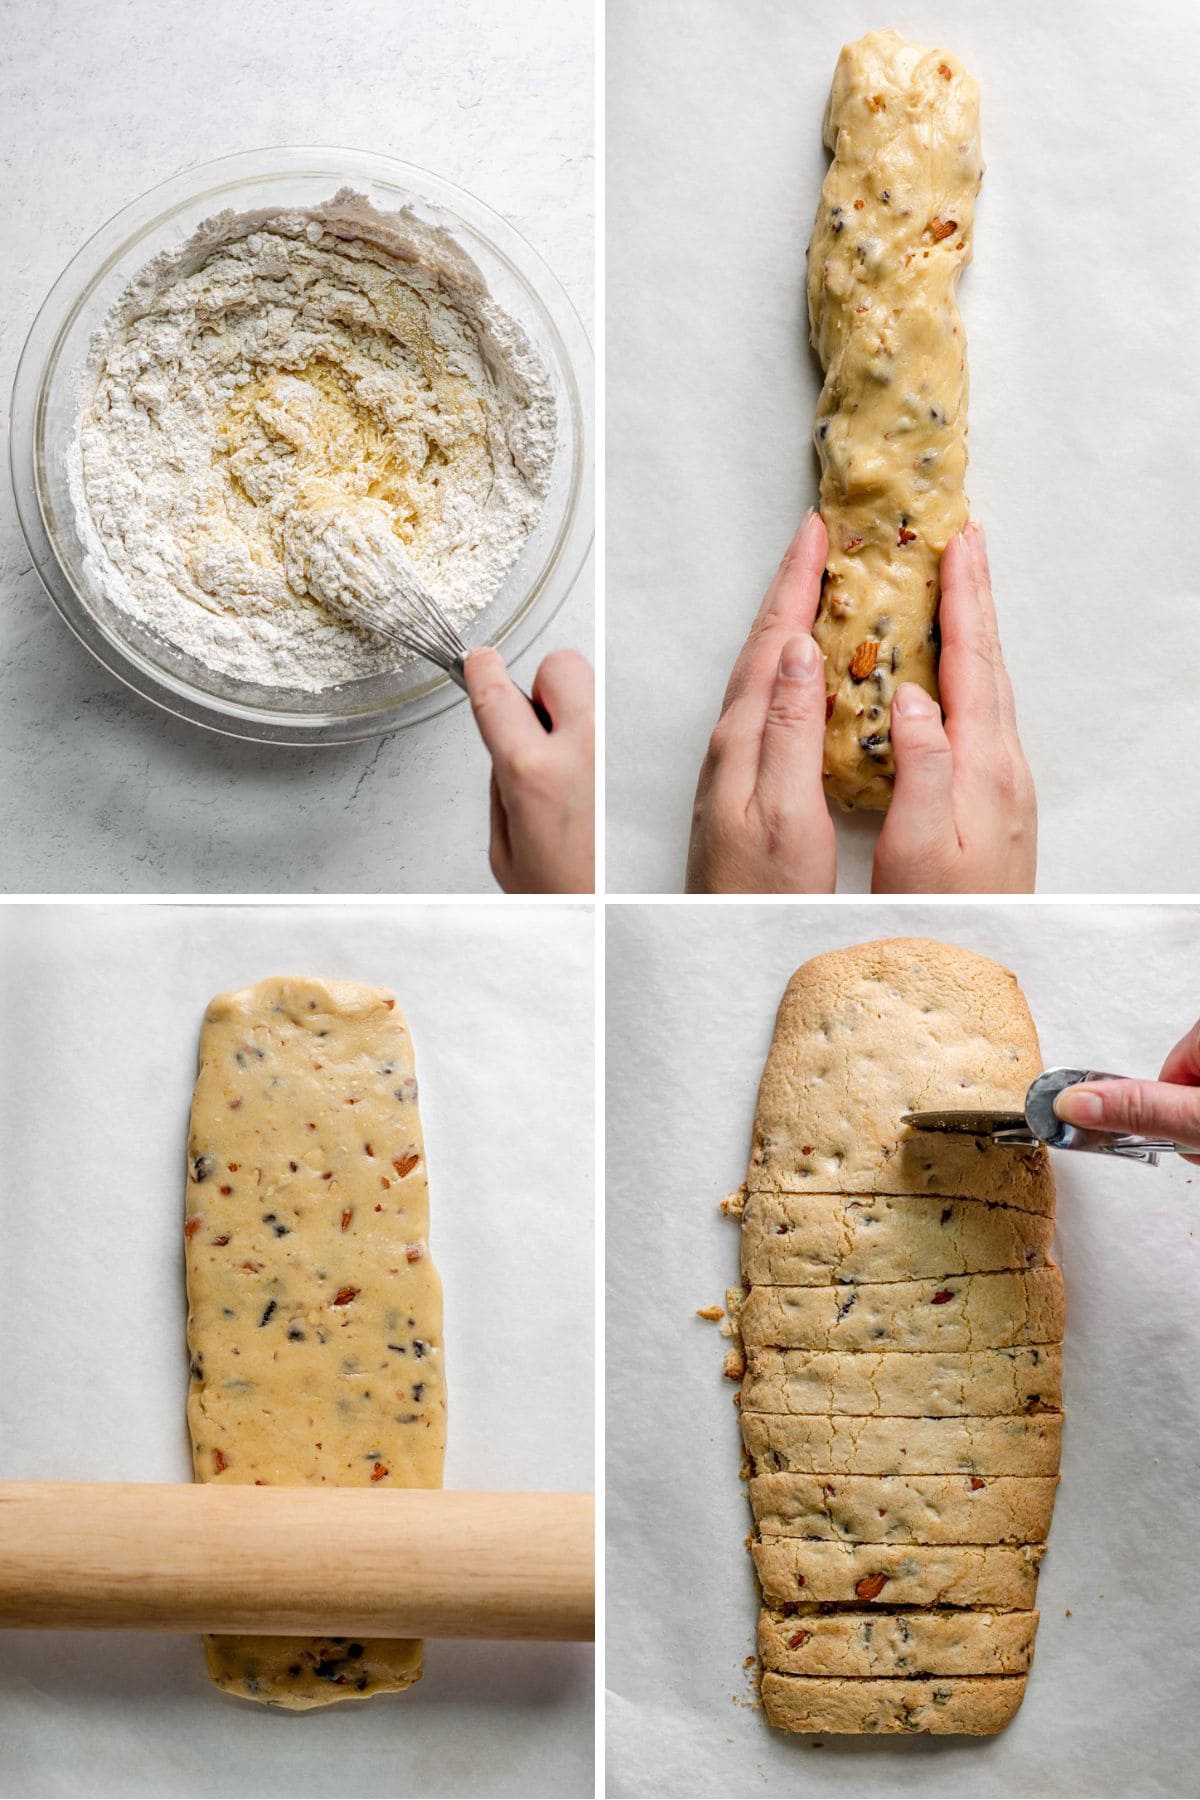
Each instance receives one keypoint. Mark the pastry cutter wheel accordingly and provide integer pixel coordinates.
(1038, 1123)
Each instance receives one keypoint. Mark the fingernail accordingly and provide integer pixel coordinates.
(1079, 1106)
(912, 702)
(800, 660)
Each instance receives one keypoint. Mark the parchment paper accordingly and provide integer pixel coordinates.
(1085, 370)
(1113, 1703)
(102, 1009)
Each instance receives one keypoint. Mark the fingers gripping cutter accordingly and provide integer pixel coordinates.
(1039, 1124)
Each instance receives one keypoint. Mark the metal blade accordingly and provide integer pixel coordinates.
(970, 1124)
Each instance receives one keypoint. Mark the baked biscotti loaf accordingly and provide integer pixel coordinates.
(944, 1384)
(905, 1509)
(858, 1645)
(959, 1312)
(817, 1570)
(975, 1705)
(868, 1034)
(891, 237)
(899, 1348)
(801, 1240)
(825, 1444)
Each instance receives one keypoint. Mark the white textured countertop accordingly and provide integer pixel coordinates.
(102, 792)
(1085, 365)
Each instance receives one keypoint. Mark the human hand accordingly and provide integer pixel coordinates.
(1166, 1108)
(543, 782)
(964, 816)
(760, 824)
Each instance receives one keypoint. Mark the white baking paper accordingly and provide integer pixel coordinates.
(102, 1009)
(1080, 312)
(1113, 1703)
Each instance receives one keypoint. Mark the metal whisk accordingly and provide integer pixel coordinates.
(357, 567)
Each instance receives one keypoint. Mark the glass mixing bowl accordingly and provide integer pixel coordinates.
(46, 398)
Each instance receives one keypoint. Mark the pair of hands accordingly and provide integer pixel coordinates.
(964, 816)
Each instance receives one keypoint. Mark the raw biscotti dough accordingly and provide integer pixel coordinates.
(797, 1240)
(892, 235)
(868, 1034)
(959, 1312)
(816, 1570)
(315, 1312)
(916, 1385)
(976, 1705)
(829, 1445)
(905, 1509)
(898, 1338)
(859, 1645)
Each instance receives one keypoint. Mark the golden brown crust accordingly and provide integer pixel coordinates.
(942, 1384)
(868, 1644)
(905, 1509)
(976, 1705)
(823, 1444)
(957, 1312)
(805, 1240)
(867, 1034)
(815, 1570)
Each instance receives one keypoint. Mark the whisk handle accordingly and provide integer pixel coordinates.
(457, 674)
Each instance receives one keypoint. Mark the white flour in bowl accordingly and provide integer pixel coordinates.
(277, 354)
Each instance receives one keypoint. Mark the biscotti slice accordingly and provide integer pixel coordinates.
(816, 1570)
(828, 1445)
(867, 1034)
(961, 1312)
(905, 1509)
(315, 1321)
(974, 1704)
(891, 237)
(863, 1644)
(935, 1383)
(806, 1240)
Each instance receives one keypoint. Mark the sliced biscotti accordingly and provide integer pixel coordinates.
(961, 1312)
(905, 1509)
(974, 1704)
(936, 1383)
(864, 1644)
(806, 1240)
(867, 1034)
(826, 1444)
(799, 1570)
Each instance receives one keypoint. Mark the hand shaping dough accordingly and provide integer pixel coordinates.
(901, 1327)
(892, 235)
(315, 1313)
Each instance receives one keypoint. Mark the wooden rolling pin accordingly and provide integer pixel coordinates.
(351, 1562)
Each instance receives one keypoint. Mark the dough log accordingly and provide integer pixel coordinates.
(315, 1313)
(892, 235)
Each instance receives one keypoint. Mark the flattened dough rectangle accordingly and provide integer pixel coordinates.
(315, 1312)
